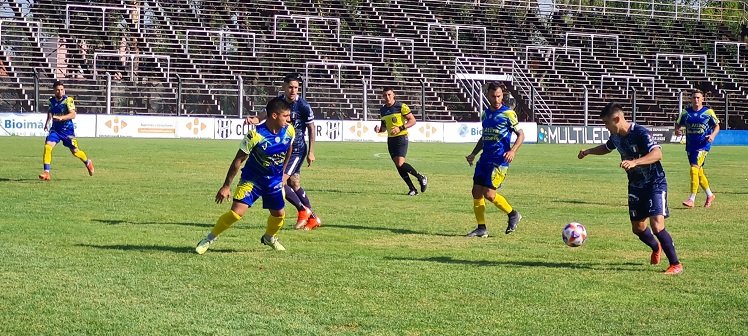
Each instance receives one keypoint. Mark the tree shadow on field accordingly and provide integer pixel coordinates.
(158, 248)
(626, 266)
(120, 221)
(390, 229)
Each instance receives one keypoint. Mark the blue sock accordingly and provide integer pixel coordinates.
(47, 167)
(302, 197)
(648, 238)
(292, 198)
(668, 247)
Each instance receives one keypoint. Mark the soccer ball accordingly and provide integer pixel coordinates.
(574, 234)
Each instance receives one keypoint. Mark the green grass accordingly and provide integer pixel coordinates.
(113, 253)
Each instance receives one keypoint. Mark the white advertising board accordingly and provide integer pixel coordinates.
(32, 124)
(362, 131)
(426, 132)
(196, 128)
(136, 126)
(471, 132)
(228, 128)
(328, 130)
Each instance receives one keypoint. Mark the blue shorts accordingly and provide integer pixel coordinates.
(645, 203)
(248, 192)
(67, 138)
(697, 158)
(295, 161)
(489, 175)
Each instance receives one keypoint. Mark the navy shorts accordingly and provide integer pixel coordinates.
(295, 161)
(67, 137)
(248, 192)
(489, 175)
(398, 145)
(645, 203)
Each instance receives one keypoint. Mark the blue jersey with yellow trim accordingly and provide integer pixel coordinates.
(60, 108)
(267, 152)
(637, 143)
(699, 125)
(498, 126)
(394, 116)
(301, 116)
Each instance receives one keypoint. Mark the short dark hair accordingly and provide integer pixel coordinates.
(57, 83)
(292, 77)
(277, 105)
(388, 88)
(695, 91)
(611, 109)
(492, 86)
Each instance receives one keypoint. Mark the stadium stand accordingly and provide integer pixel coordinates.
(190, 57)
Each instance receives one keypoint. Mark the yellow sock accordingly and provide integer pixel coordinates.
(274, 225)
(224, 222)
(501, 203)
(81, 155)
(47, 155)
(702, 179)
(694, 180)
(479, 208)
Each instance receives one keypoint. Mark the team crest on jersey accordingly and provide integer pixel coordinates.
(394, 119)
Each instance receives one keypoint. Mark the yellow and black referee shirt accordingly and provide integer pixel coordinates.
(394, 116)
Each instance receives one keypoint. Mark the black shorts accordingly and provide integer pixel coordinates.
(398, 146)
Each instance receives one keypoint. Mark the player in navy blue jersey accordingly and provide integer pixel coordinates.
(499, 122)
(396, 119)
(266, 151)
(640, 157)
(302, 119)
(702, 127)
(61, 113)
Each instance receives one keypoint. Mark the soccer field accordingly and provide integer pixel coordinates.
(114, 253)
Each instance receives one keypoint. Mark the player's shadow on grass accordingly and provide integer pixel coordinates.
(148, 248)
(528, 263)
(391, 229)
(119, 222)
(575, 201)
(5, 179)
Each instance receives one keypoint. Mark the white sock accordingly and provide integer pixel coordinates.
(708, 192)
(692, 197)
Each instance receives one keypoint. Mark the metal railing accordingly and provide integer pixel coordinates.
(306, 19)
(553, 53)
(37, 23)
(457, 28)
(103, 13)
(470, 72)
(382, 40)
(222, 44)
(628, 80)
(681, 57)
(132, 62)
(713, 10)
(592, 39)
(736, 44)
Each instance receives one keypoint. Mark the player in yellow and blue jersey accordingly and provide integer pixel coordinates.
(302, 119)
(266, 150)
(499, 122)
(702, 127)
(640, 157)
(396, 119)
(61, 113)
